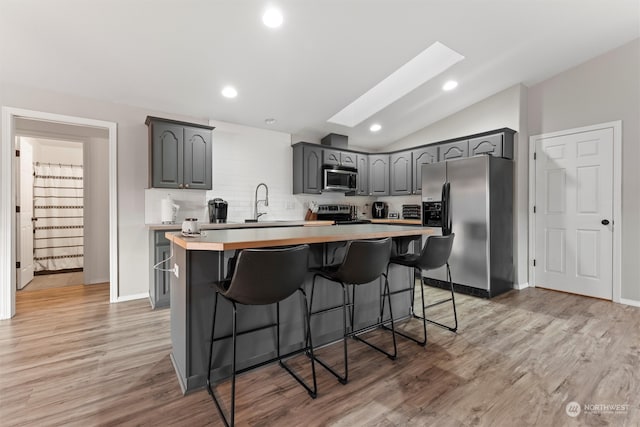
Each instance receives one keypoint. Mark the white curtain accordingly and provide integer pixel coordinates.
(58, 208)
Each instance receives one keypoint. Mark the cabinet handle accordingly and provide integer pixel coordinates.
(186, 186)
(179, 185)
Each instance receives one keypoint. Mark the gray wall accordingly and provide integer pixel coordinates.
(604, 89)
(503, 109)
(133, 244)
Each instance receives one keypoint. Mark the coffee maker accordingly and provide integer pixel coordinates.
(217, 211)
(379, 210)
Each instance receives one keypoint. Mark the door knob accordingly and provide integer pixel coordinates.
(605, 222)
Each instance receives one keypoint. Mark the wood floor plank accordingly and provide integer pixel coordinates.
(71, 358)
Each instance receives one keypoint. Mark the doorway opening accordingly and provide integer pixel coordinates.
(50, 225)
(103, 242)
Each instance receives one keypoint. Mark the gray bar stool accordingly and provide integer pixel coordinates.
(263, 277)
(364, 262)
(434, 254)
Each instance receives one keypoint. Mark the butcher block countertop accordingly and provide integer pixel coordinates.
(231, 239)
(397, 221)
(228, 225)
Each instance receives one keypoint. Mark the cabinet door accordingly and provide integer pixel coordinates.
(197, 158)
(167, 155)
(162, 278)
(330, 157)
(378, 174)
(400, 173)
(312, 170)
(363, 175)
(422, 156)
(348, 159)
(491, 144)
(454, 150)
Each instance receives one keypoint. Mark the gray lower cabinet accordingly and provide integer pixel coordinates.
(378, 174)
(181, 154)
(453, 150)
(422, 156)
(400, 173)
(307, 169)
(160, 280)
(363, 175)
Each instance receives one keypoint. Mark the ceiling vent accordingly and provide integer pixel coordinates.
(335, 140)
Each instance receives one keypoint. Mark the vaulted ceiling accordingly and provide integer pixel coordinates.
(175, 56)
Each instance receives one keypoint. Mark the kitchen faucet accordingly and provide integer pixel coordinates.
(265, 200)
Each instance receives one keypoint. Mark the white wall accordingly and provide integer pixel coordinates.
(498, 111)
(52, 151)
(604, 89)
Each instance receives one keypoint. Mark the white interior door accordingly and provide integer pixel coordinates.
(574, 213)
(25, 223)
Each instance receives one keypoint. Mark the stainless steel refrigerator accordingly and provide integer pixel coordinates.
(479, 210)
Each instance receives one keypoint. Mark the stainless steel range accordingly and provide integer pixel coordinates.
(341, 214)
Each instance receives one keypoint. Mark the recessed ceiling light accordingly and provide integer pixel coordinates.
(426, 65)
(229, 92)
(272, 18)
(450, 85)
(270, 121)
(375, 127)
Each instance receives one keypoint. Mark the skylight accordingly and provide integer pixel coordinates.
(426, 65)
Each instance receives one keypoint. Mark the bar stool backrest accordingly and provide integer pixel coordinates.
(266, 276)
(436, 252)
(364, 261)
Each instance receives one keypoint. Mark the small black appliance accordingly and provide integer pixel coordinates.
(217, 211)
(379, 210)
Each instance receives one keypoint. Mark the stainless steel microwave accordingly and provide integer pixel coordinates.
(339, 178)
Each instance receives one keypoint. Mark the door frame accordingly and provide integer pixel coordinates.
(8, 201)
(617, 201)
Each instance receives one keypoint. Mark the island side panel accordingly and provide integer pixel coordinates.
(178, 302)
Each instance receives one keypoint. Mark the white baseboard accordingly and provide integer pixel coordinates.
(520, 286)
(630, 302)
(132, 297)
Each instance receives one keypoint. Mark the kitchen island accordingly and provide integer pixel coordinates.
(198, 261)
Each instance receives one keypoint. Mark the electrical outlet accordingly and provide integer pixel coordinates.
(176, 270)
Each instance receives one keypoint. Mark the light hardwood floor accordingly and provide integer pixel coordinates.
(71, 358)
(57, 280)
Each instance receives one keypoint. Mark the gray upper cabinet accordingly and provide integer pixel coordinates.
(378, 174)
(181, 154)
(348, 159)
(453, 150)
(400, 173)
(498, 145)
(197, 159)
(307, 169)
(167, 142)
(337, 157)
(330, 157)
(363, 175)
(422, 156)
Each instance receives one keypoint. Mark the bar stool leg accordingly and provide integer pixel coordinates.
(393, 355)
(345, 296)
(453, 328)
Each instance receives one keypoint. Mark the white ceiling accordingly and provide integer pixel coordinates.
(175, 56)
